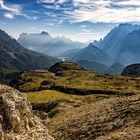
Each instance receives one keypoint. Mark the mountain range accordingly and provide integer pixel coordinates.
(44, 43)
(122, 43)
(98, 68)
(119, 48)
(92, 53)
(14, 57)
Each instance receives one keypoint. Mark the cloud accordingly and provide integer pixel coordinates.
(52, 1)
(9, 16)
(107, 11)
(12, 8)
(45, 1)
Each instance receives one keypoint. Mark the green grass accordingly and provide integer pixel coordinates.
(48, 95)
(85, 80)
(75, 111)
(106, 112)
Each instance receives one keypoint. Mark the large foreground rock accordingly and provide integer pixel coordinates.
(17, 122)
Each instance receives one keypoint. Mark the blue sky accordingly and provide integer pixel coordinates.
(76, 19)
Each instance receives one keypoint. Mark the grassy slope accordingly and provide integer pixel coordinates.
(85, 80)
(48, 95)
(95, 116)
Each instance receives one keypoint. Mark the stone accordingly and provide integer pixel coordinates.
(17, 121)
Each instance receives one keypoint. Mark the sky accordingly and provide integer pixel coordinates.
(82, 20)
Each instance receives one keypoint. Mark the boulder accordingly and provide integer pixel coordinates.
(17, 121)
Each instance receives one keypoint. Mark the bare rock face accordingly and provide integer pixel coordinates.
(132, 70)
(17, 122)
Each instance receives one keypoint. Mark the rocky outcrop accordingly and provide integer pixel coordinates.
(132, 70)
(17, 122)
(61, 67)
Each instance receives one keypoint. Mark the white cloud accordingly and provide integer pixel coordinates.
(9, 16)
(12, 8)
(52, 1)
(129, 3)
(108, 11)
(45, 1)
(102, 11)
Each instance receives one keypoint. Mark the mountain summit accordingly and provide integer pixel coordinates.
(122, 43)
(14, 57)
(44, 43)
(92, 53)
(112, 42)
(44, 33)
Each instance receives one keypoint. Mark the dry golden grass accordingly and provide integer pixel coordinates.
(100, 116)
(49, 95)
(85, 80)
(108, 119)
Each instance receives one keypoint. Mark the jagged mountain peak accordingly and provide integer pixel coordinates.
(44, 33)
(112, 42)
(5, 36)
(91, 45)
(47, 44)
(92, 53)
(14, 57)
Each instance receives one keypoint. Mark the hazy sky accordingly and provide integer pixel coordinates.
(77, 19)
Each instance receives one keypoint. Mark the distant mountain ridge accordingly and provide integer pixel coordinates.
(112, 42)
(130, 49)
(98, 68)
(14, 57)
(119, 48)
(92, 53)
(44, 43)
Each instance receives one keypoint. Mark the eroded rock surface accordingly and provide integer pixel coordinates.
(17, 122)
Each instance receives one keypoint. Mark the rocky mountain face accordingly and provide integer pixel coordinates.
(44, 43)
(130, 49)
(112, 42)
(17, 121)
(93, 66)
(132, 70)
(115, 69)
(68, 55)
(122, 43)
(13, 57)
(92, 53)
(98, 68)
